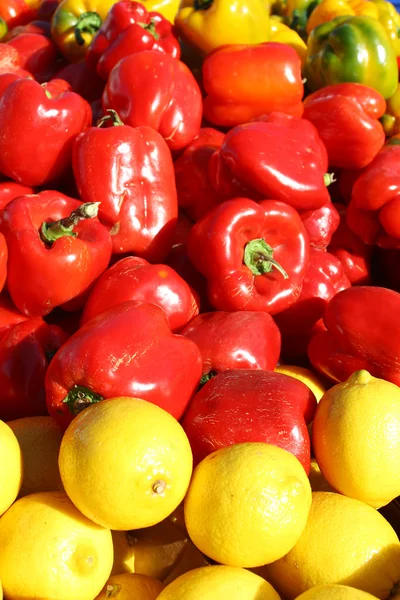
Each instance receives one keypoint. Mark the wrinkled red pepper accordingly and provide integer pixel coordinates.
(346, 116)
(10, 190)
(38, 54)
(195, 193)
(374, 211)
(279, 157)
(130, 28)
(354, 255)
(133, 278)
(266, 406)
(235, 340)
(131, 173)
(25, 353)
(127, 351)
(321, 224)
(254, 256)
(243, 82)
(44, 127)
(83, 81)
(59, 243)
(363, 332)
(154, 89)
(324, 278)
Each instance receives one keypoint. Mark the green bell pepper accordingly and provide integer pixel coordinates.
(351, 49)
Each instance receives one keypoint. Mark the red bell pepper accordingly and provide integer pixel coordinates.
(280, 157)
(40, 27)
(324, 278)
(45, 128)
(83, 81)
(25, 352)
(154, 89)
(133, 278)
(363, 332)
(57, 241)
(10, 190)
(254, 256)
(3, 261)
(321, 224)
(178, 259)
(131, 173)
(38, 54)
(243, 82)
(9, 314)
(354, 255)
(16, 12)
(10, 63)
(128, 350)
(346, 116)
(266, 407)
(130, 28)
(235, 340)
(374, 211)
(195, 194)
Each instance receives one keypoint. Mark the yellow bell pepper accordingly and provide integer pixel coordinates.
(390, 19)
(391, 119)
(208, 24)
(278, 32)
(364, 8)
(330, 9)
(168, 8)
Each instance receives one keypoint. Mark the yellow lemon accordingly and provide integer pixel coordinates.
(317, 480)
(247, 504)
(39, 439)
(312, 380)
(11, 467)
(335, 592)
(356, 438)
(345, 541)
(130, 586)
(49, 550)
(125, 463)
(214, 583)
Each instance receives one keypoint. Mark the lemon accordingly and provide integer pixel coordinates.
(11, 467)
(39, 439)
(49, 550)
(356, 438)
(312, 380)
(125, 463)
(130, 586)
(214, 583)
(317, 480)
(334, 592)
(345, 541)
(247, 504)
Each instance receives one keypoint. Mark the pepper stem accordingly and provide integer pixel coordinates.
(79, 398)
(88, 22)
(258, 256)
(52, 231)
(151, 28)
(111, 115)
(329, 178)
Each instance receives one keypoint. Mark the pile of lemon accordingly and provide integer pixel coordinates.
(112, 508)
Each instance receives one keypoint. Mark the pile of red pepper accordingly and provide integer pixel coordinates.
(161, 227)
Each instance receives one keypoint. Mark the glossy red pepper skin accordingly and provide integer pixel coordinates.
(354, 255)
(266, 406)
(130, 28)
(374, 211)
(243, 82)
(10, 190)
(235, 340)
(363, 332)
(130, 172)
(58, 272)
(157, 90)
(44, 127)
(38, 54)
(3, 261)
(26, 350)
(16, 12)
(83, 81)
(195, 193)
(127, 351)
(280, 157)
(346, 116)
(324, 278)
(218, 244)
(321, 224)
(133, 278)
